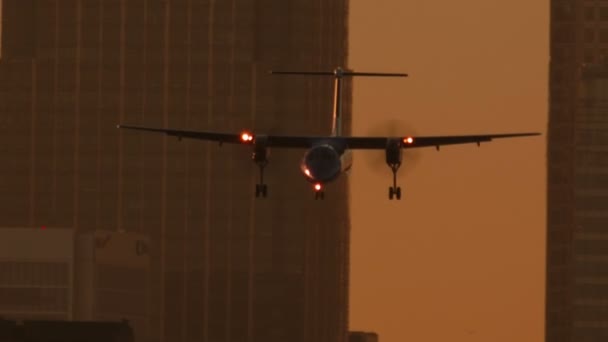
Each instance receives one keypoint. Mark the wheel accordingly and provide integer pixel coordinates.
(398, 192)
(322, 195)
(390, 193)
(264, 190)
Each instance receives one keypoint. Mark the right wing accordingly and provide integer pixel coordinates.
(244, 138)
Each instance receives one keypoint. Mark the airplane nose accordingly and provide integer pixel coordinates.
(321, 163)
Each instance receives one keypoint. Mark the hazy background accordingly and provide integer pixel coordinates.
(461, 256)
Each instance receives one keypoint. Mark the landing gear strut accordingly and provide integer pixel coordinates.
(319, 193)
(261, 188)
(260, 158)
(393, 160)
(394, 191)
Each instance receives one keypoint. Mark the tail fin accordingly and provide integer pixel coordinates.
(338, 73)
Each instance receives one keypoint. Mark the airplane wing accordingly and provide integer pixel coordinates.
(245, 138)
(431, 141)
(349, 142)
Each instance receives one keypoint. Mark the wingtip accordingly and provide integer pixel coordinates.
(118, 126)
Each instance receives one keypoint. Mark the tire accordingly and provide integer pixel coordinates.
(399, 193)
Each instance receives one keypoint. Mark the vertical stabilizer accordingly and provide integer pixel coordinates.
(338, 74)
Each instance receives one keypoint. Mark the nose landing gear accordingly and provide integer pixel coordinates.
(319, 193)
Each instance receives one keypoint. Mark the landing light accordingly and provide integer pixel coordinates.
(246, 137)
(307, 172)
(318, 187)
(408, 140)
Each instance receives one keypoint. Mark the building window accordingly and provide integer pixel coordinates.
(604, 36)
(1, 24)
(589, 13)
(604, 13)
(589, 35)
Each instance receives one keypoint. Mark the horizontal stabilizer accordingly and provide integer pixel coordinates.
(338, 73)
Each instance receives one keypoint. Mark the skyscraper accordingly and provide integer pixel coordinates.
(577, 218)
(225, 266)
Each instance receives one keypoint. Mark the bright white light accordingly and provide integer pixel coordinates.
(246, 137)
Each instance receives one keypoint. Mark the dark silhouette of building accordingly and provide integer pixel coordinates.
(224, 265)
(577, 202)
(362, 336)
(57, 274)
(64, 331)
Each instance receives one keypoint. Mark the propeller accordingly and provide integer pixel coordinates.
(391, 128)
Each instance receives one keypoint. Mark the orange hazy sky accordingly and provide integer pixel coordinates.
(461, 257)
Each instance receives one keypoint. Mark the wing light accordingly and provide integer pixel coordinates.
(307, 172)
(246, 137)
(318, 187)
(408, 140)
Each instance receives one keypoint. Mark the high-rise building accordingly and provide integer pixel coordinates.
(60, 275)
(225, 266)
(577, 218)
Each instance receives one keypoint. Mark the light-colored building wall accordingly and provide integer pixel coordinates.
(55, 274)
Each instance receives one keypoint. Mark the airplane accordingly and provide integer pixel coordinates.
(327, 157)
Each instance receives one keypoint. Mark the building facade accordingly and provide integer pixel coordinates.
(61, 275)
(37, 274)
(225, 266)
(577, 218)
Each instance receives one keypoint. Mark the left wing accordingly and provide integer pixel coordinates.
(436, 141)
(378, 143)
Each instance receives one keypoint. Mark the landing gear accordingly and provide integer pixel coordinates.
(319, 193)
(260, 158)
(394, 191)
(261, 189)
(393, 160)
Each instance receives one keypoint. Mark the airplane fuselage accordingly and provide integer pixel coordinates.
(323, 163)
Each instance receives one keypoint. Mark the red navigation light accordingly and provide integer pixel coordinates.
(318, 186)
(43, 227)
(408, 140)
(246, 137)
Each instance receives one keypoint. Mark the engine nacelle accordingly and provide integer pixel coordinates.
(393, 151)
(261, 152)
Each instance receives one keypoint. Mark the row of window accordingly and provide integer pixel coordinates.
(31, 299)
(48, 274)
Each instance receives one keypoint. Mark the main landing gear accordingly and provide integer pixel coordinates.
(394, 191)
(261, 189)
(260, 158)
(393, 160)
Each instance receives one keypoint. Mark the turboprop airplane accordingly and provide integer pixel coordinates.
(326, 157)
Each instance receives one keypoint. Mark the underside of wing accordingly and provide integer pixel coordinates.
(431, 141)
(201, 135)
(347, 142)
(245, 138)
